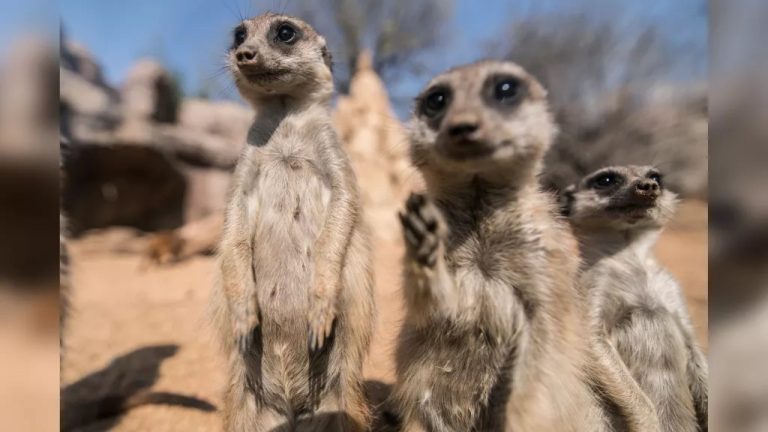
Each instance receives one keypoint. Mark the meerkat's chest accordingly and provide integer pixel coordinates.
(290, 192)
(495, 273)
(496, 254)
(633, 285)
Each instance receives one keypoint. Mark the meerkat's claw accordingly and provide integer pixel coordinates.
(244, 331)
(421, 229)
(242, 343)
(244, 340)
(320, 327)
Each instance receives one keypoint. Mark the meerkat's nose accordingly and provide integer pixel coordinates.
(245, 55)
(462, 125)
(647, 188)
(461, 130)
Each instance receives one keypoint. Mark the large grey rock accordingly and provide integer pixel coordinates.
(225, 119)
(150, 93)
(77, 59)
(130, 163)
(123, 184)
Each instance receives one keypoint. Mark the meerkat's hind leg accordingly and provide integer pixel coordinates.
(328, 417)
(429, 419)
(243, 415)
(355, 414)
(355, 330)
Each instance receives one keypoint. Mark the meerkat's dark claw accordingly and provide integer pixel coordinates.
(242, 343)
(420, 228)
(319, 334)
(245, 340)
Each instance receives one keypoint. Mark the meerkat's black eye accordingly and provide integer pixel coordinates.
(435, 102)
(286, 33)
(507, 90)
(606, 180)
(655, 177)
(240, 35)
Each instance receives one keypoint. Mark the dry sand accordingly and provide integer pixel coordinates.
(154, 320)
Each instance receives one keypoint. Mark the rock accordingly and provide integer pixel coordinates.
(123, 184)
(88, 105)
(128, 164)
(377, 146)
(77, 59)
(150, 93)
(206, 192)
(87, 109)
(224, 119)
(155, 177)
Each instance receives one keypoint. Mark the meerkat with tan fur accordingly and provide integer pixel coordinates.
(494, 337)
(637, 308)
(294, 304)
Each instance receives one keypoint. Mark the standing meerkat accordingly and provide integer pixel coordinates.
(493, 337)
(636, 306)
(294, 304)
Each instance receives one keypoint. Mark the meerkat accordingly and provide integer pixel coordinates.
(493, 338)
(294, 305)
(636, 306)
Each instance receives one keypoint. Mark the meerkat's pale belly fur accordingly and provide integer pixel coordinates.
(286, 226)
(645, 318)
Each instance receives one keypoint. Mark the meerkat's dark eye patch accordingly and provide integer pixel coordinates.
(286, 33)
(506, 90)
(434, 102)
(606, 180)
(240, 34)
(657, 177)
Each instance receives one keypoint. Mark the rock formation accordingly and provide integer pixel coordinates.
(376, 143)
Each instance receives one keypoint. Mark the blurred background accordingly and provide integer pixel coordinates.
(149, 125)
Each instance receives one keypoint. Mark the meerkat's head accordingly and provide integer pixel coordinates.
(479, 117)
(619, 198)
(276, 55)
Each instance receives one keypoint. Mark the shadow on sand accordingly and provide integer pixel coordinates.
(98, 399)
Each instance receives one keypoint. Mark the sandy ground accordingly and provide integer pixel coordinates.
(135, 329)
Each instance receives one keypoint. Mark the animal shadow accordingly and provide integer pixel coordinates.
(98, 399)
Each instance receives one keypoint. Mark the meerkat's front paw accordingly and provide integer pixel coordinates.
(245, 329)
(322, 314)
(423, 229)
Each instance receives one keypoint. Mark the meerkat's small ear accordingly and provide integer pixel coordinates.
(565, 200)
(326, 54)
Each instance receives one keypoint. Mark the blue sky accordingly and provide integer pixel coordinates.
(191, 36)
(19, 17)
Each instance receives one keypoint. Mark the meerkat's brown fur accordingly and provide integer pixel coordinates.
(294, 305)
(495, 335)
